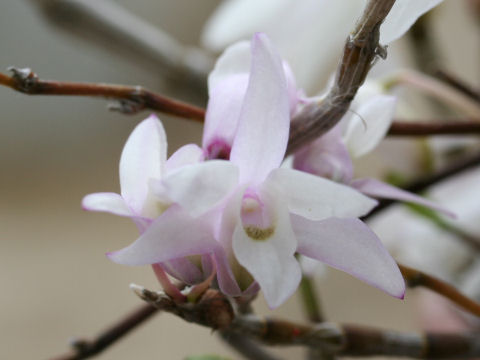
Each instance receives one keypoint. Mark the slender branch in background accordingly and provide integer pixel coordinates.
(246, 347)
(414, 278)
(360, 51)
(131, 98)
(114, 27)
(311, 304)
(84, 349)
(436, 88)
(424, 183)
(333, 339)
(458, 84)
(440, 127)
(472, 242)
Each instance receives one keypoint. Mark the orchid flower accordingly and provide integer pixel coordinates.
(272, 213)
(303, 23)
(358, 133)
(143, 161)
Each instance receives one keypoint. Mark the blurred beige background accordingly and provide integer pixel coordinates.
(56, 282)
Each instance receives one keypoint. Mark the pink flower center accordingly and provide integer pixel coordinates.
(218, 149)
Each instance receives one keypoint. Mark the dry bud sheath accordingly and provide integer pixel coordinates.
(360, 51)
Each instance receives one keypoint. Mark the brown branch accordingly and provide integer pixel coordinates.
(131, 98)
(361, 49)
(83, 349)
(452, 127)
(414, 278)
(243, 345)
(330, 338)
(424, 183)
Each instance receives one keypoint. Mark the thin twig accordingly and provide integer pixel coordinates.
(333, 339)
(424, 183)
(84, 349)
(112, 26)
(458, 84)
(131, 98)
(361, 49)
(452, 127)
(414, 278)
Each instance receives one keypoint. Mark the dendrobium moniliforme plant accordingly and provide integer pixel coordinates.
(222, 222)
(251, 215)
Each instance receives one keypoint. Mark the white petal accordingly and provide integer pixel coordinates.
(349, 245)
(369, 124)
(271, 260)
(106, 202)
(402, 16)
(316, 198)
(225, 277)
(293, 26)
(172, 235)
(143, 158)
(376, 188)
(235, 60)
(262, 134)
(237, 19)
(186, 155)
(199, 187)
(223, 110)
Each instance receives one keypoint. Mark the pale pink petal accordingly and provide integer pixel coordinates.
(270, 259)
(316, 198)
(186, 155)
(225, 277)
(172, 235)
(223, 110)
(349, 245)
(184, 270)
(106, 202)
(235, 60)
(327, 157)
(143, 158)
(199, 187)
(369, 124)
(379, 189)
(262, 134)
(402, 16)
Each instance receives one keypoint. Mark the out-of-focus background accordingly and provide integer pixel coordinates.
(56, 282)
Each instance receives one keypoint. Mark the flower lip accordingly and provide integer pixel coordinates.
(256, 219)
